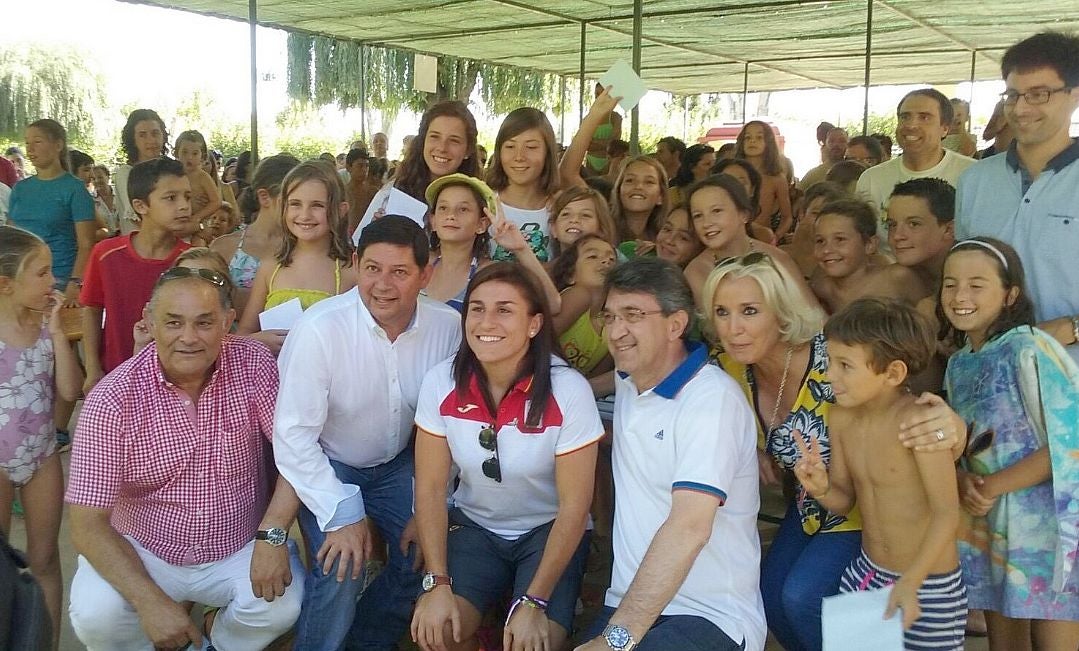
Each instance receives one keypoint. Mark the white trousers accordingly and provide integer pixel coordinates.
(104, 621)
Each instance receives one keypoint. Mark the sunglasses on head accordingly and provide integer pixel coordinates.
(489, 442)
(208, 275)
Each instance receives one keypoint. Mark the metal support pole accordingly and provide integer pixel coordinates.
(634, 126)
(252, 20)
(363, 93)
(584, 42)
(562, 110)
(685, 117)
(868, 63)
(973, 65)
(745, 91)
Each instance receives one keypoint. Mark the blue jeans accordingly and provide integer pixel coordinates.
(331, 615)
(799, 571)
(673, 633)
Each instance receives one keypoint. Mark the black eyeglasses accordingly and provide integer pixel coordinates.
(209, 275)
(489, 442)
(1034, 97)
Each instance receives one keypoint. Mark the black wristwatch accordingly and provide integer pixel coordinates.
(275, 536)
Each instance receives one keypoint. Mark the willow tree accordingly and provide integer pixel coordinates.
(55, 83)
(328, 71)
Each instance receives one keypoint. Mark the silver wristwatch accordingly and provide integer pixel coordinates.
(275, 536)
(619, 638)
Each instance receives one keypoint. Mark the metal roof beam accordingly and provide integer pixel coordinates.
(563, 19)
(685, 48)
(716, 55)
(936, 30)
(436, 36)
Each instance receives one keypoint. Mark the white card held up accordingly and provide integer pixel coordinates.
(400, 203)
(855, 620)
(281, 317)
(627, 84)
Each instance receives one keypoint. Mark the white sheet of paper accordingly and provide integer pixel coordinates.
(400, 203)
(627, 84)
(425, 73)
(851, 619)
(281, 317)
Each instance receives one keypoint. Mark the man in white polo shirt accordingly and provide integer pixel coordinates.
(351, 371)
(686, 548)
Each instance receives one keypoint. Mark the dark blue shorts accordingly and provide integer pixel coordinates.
(485, 567)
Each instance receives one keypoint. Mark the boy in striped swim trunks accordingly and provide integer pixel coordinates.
(908, 498)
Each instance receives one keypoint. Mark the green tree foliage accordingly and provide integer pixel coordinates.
(878, 123)
(301, 131)
(304, 147)
(323, 70)
(229, 139)
(53, 82)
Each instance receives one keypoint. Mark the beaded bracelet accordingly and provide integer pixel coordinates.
(530, 601)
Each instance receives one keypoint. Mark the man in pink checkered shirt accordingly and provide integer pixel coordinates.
(168, 487)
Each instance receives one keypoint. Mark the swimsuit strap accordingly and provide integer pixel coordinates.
(274, 275)
(337, 278)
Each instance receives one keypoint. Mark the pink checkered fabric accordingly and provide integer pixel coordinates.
(188, 493)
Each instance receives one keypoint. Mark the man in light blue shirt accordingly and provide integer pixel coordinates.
(1029, 196)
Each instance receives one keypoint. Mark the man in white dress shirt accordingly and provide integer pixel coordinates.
(350, 377)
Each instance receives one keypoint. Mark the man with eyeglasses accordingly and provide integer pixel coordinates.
(351, 371)
(169, 497)
(867, 150)
(686, 550)
(925, 115)
(1029, 197)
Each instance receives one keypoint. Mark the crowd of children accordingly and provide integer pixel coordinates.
(864, 296)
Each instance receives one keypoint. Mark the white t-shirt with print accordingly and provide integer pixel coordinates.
(527, 496)
(534, 225)
(876, 183)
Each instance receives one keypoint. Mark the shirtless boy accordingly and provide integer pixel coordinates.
(800, 248)
(921, 231)
(845, 241)
(908, 500)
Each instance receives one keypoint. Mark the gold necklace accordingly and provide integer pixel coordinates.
(782, 386)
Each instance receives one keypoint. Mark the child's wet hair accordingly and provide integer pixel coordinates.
(860, 213)
(889, 330)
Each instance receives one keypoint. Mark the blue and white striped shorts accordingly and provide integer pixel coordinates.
(942, 598)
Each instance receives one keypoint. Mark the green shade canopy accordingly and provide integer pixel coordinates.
(688, 46)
